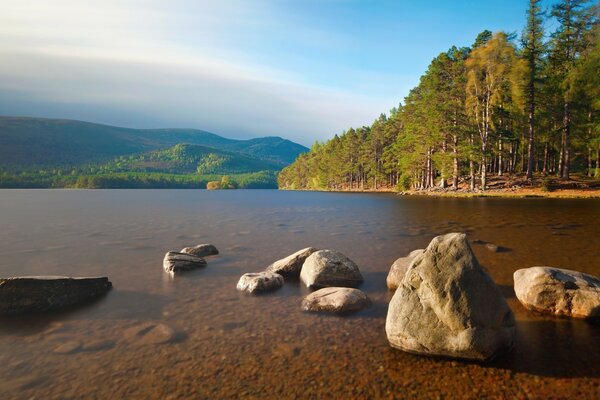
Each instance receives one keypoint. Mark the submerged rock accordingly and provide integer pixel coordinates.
(325, 268)
(335, 300)
(68, 347)
(447, 305)
(260, 282)
(399, 268)
(558, 291)
(201, 250)
(150, 333)
(48, 293)
(177, 262)
(292, 264)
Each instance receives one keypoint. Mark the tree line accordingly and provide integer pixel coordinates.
(508, 104)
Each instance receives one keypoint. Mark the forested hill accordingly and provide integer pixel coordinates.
(506, 105)
(39, 142)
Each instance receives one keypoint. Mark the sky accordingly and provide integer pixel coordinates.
(300, 69)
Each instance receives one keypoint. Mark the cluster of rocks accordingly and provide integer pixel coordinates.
(446, 304)
(334, 274)
(188, 258)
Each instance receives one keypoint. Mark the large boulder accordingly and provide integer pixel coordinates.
(325, 268)
(447, 305)
(291, 266)
(178, 262)
(399, 268)
(201, 250)
(558, 291)
(257, 282)
(338, 300)
(48, 293)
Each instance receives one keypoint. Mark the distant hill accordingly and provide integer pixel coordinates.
(47, 143)
(189, 159)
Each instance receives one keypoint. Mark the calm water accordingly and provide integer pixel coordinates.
(233, 345)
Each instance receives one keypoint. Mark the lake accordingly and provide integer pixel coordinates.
(232, 345)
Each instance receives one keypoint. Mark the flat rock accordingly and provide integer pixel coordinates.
(337, 300)
(256, 282)
(150, 333)
(558, 291)
(69, 347)
(98, 345)
(325, 268)
(447, 305)
(492, 247)
(399, 268)
(291, 266)
(48, 293)
(201, 250)
(179, 262)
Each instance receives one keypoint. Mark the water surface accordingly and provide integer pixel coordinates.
(233, 345)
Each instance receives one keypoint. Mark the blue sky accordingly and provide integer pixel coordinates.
(301, 69)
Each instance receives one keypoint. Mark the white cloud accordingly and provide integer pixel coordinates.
(161, 63)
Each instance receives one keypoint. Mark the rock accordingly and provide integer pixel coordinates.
(291, 266)
(447, 305)
(335, 300)
(48, 293)
(68, 347)
(150, 333)
(201, 250)
(98, 345)
(177, 262)
(260, 282)
(558, 291)
(399, 268)
(492, 247)
(326, 268)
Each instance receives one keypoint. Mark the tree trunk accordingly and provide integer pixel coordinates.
(566, 132)
(545, 167)
(589, 161)
(455, 164)
(500, 157)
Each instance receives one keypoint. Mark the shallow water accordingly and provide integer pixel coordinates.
(232, 345)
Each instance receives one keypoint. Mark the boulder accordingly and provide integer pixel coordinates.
(48, 293)
(558, 291)
(399, 268)
(447, 305)
(260, 282)
(325, 268)
(177, 262)
(337, 300)
(291, 266)
(201, 250)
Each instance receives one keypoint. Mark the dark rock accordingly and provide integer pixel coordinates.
(48, 293)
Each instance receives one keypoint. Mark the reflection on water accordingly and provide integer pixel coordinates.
(234, 345)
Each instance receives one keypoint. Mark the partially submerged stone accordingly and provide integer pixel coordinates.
(290, 266)
(336, 300)
(399, 268)
(257, 282)
(178, 262)
(150, 333)
(201, 250)
(325, 268)
(447, 305)
(558, 291)
(48, 293)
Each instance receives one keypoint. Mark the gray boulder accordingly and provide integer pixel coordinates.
(201, 250)
(48, 293)
(447, 305)
(325, 268)
(338, 300)
(291, 266)
(260, 282)
(558, 291)
(177, 262)
(399, 268)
